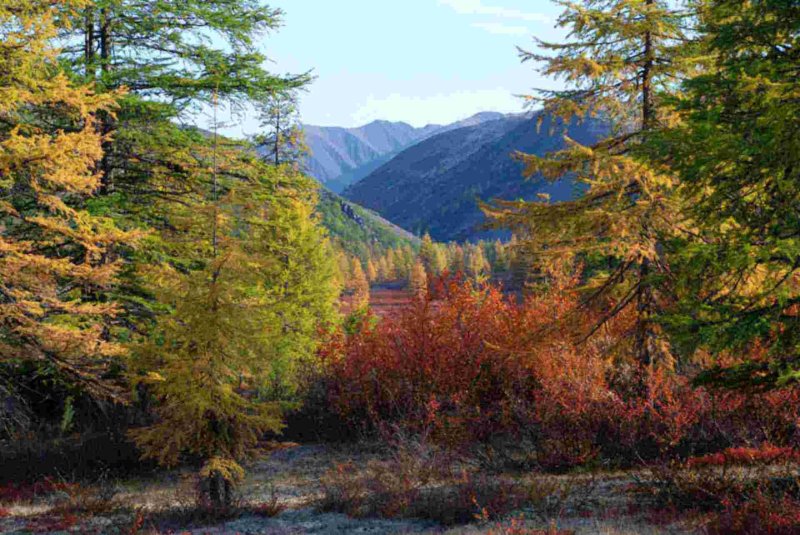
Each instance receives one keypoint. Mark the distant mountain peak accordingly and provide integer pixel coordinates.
(342, 156)
(434, 185)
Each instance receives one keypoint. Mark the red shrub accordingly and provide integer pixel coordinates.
(469, 364)
(765, 454)
(464, 366)
(762, 515)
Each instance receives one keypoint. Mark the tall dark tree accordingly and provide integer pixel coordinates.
(174, 59)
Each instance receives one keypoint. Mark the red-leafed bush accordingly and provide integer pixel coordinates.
(744, 456)
(469, 364)
(759, 515)
(466, 365)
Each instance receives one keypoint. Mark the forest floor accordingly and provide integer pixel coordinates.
(288, 493)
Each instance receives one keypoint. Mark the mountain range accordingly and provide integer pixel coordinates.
(435, 185)
(342, 156)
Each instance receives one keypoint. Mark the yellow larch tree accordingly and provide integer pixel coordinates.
(58, 261)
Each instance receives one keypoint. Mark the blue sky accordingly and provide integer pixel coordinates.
(419, 61)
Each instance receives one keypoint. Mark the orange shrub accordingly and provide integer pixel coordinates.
(459, 365)
(765, 454)
(468, 364)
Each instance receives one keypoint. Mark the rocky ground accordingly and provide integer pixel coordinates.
(288, 482)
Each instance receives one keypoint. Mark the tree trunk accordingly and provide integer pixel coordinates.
(218, 491)
(278, 138)
(88, 44)
(647, 76)
(106, 119)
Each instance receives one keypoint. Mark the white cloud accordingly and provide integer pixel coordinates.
(498, 28)
(476, 7)
(439, 108)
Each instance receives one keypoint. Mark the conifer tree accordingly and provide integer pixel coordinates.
(360, 286)
(428, 255)
(245, 314)
(281, 142)
(620, 60)
(477, 266)
(457, 262)
(737, 151)
(391, 269)
(406, 260)
(418, 281)
(372, 272)
(175, 59)
(501, 259)
(57, 259)
(343, 269)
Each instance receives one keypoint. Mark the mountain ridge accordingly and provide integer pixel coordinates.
(341, 156)
(434, 185)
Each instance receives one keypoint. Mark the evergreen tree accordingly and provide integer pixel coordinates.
(58, 260)
(174, 59)
(621, 58)
(282, 140)
(737, 152)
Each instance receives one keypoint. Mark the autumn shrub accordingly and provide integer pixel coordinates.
(758, 515)
(27, 492)
(743, 489)
(468, 365)
(465, 363)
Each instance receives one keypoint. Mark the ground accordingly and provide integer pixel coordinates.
(384, 300)
(289, 480)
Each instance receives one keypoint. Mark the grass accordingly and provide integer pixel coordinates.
(410, 482)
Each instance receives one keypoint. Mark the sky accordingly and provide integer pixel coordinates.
(418, 61)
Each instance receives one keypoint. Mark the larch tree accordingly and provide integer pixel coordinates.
(619, 61)
(281, 141)
(244, 315)
(372, 272)
(431, 256)
(57, 259)
(418, 280)
(360, 285)
(737, 151)
(176, 60)
(477, 265)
